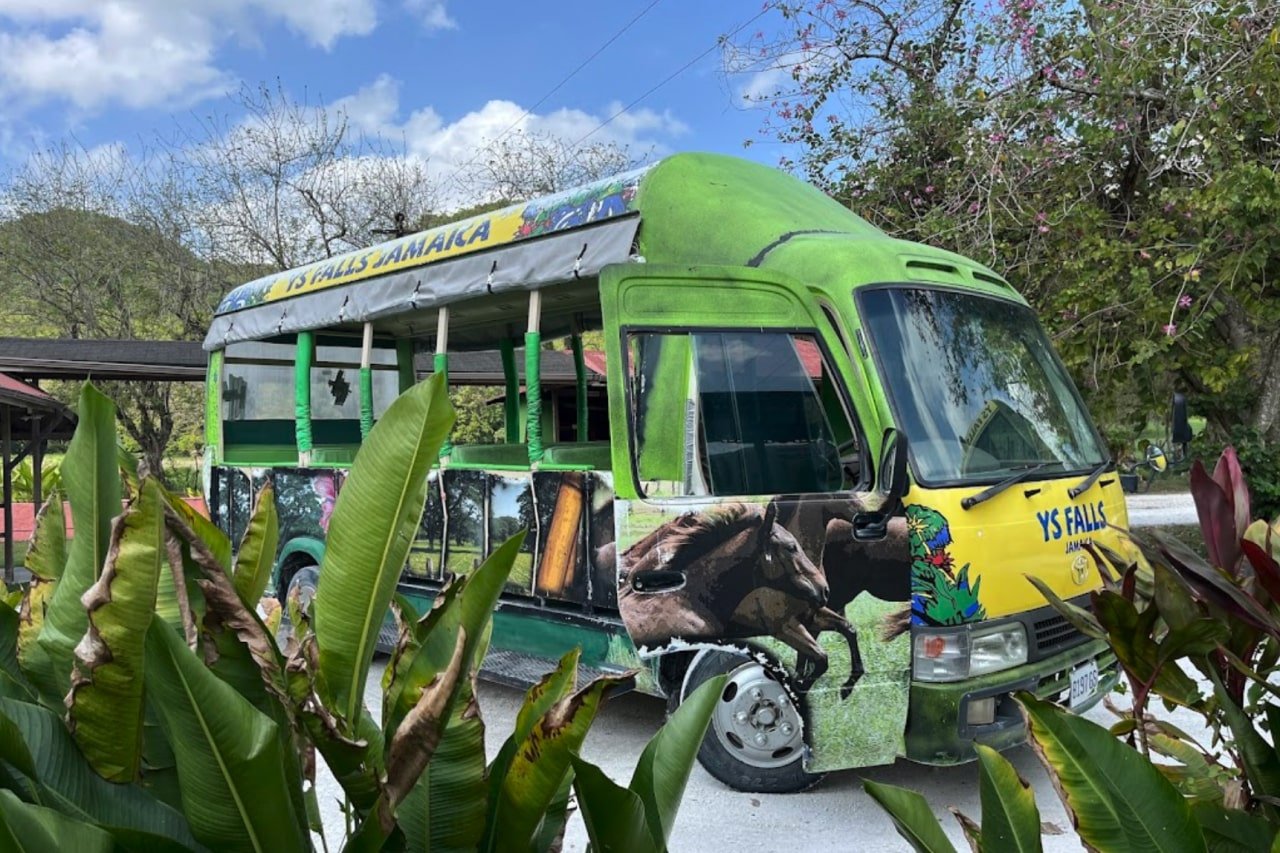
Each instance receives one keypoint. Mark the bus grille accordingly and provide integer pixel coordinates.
(1054, 634)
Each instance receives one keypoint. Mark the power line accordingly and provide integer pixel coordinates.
(601, 49)
(674, 74)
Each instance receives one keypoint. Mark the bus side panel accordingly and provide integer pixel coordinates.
(567, 517)
(741, 572)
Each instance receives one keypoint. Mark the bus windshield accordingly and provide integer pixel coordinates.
(976, 386)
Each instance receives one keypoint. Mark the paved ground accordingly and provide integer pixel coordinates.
(836, 815)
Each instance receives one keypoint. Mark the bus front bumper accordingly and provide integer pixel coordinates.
(938, 731)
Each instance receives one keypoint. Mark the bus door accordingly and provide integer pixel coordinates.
(746, 516)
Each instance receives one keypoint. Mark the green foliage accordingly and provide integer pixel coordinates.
(1116, 161)
(1146, 784)
(201, 723)
(1260, 462)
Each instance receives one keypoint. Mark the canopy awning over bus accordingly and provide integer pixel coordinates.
(557, 239)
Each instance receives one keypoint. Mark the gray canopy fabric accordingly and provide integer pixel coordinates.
(546, 261)
(552, 240)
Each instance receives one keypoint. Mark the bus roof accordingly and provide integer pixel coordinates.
(687, 209)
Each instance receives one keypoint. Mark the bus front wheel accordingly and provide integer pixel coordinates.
(756, 740)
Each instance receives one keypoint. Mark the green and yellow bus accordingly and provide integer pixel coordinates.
(830, 461)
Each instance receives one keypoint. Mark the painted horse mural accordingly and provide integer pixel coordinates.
(730, 572)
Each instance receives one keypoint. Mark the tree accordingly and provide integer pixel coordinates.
(1117, 161)
(523, 165)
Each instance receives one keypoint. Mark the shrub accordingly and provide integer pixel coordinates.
(144, 704)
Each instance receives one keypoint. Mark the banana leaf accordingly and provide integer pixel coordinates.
(1010, 819)
(1117, 799)
(911, 816)
(92, 481)
(369, 536)
(614, 816)
(13, 681)
(105, 705)
(663, 770)
(539, 765)
(229, 757)
(65, 781)
(257, 555)
(26, 828)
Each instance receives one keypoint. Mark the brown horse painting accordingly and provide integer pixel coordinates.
(731, 572)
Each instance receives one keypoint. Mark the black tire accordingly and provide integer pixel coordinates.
(776, 767)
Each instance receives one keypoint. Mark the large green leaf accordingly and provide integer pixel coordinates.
(230, 764)
(66, 782)
(614, 816)
(540, 763)
(1232, 830)
(25, 828)
(1118, 800)
(369, 537)
(13, 681)
(911, 816)
(663, 770)
(1261, 761)
(1010, 819)
(92, 481)
(452, 788)
(105, 704)
(46, 559)
(257, 554)
(469, 607)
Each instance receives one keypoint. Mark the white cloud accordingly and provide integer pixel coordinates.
(433, 14)
(140, 53)
(452, 149)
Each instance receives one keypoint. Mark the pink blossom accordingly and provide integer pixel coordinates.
(1144, 254)
(928, 189)
(1170, 329)
(1184, 301)
(974, 208)
(997, 137)
(1043, 229)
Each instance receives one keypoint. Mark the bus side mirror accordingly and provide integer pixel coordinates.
(1180, 430)
(891, 483)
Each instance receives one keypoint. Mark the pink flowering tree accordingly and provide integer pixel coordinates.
(1117, 161)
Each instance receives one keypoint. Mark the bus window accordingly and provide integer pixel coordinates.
(335, 382)
(736, 413)
(257, 404)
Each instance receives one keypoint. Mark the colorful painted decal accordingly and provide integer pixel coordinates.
(940, 595)
(574, 208)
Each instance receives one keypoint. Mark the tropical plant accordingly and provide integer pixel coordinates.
(1168, 616)
(144, 703)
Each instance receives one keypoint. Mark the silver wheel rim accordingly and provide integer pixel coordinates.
(756, 721)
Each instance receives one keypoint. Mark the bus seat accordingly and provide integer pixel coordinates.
(592, 454)
(516, 455)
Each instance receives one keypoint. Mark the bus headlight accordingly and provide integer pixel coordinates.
(953, 654)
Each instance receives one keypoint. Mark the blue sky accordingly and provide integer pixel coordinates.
(441, 75)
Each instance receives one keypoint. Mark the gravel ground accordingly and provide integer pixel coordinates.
(835, 815)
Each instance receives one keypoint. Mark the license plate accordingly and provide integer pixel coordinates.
(1084, 683)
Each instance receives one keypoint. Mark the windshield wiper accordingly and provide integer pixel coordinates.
(1085, 484)
(990, 492)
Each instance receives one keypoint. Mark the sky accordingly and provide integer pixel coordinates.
(440, 77)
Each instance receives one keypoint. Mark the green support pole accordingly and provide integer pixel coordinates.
(441, 365)
(533, 394)
(404, 364)
(212, 407)
(366, 401)
(303, 358)
(511, 404)
(580, 395)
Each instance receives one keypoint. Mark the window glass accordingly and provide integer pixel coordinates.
(335, 382)
(737, 413)
(976, 386)
(257, 382)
